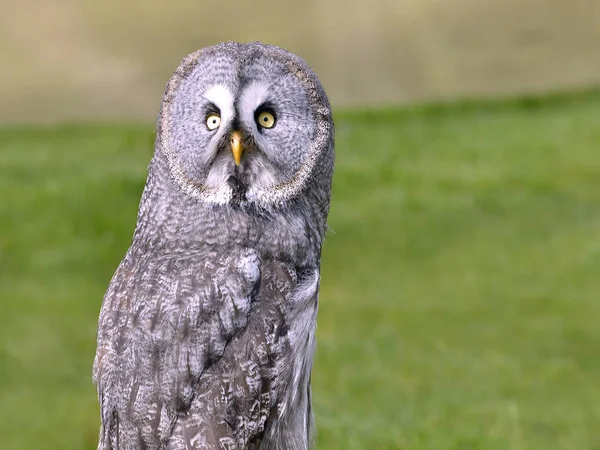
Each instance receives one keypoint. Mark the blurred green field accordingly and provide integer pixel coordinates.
(460, 295)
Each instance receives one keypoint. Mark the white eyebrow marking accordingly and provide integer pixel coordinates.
(253, 96)
(222, 97)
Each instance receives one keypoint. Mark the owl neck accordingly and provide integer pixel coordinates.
(169, 220)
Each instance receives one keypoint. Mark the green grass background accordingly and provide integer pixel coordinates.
(460, 295)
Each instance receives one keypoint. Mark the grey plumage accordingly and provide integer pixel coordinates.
(207, 329)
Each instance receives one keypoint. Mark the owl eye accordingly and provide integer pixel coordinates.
(265, 119)
(213, 120)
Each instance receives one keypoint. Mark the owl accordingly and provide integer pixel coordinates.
(206, 333)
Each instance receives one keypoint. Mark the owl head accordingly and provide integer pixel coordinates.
(246, 125)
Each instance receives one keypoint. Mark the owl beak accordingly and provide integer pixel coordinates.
(237, 148)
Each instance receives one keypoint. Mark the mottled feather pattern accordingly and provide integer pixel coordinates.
(207, 330)
(168, 333)
(246, 388)
(165, 319)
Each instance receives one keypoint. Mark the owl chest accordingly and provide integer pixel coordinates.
(288, 243)
(283, 238)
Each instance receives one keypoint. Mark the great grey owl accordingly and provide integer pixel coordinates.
(207, 330)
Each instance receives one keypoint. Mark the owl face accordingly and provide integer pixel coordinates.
(244, 123)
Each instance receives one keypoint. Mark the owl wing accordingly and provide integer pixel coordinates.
(165, 319)
(257, 395)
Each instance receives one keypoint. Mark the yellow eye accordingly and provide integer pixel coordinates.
(265, 119)
(213, 120)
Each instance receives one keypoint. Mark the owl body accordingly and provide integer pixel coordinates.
(207, 330)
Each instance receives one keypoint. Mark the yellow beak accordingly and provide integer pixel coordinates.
(236, 147)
